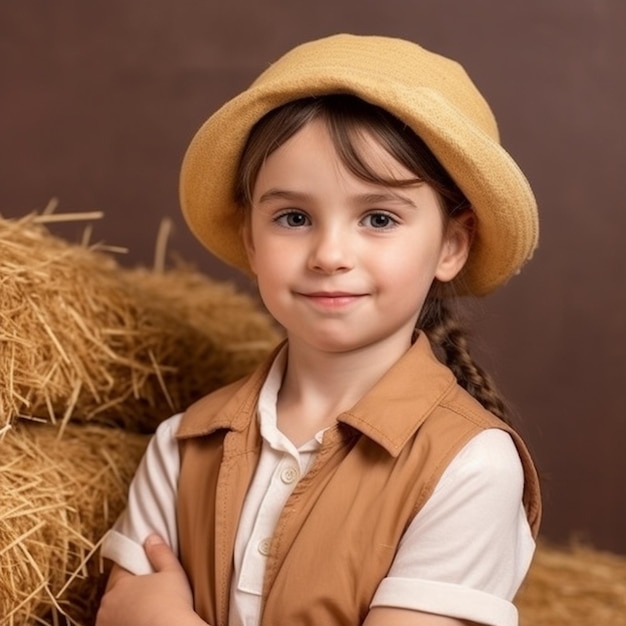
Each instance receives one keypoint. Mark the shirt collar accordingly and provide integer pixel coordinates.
(399, 403)
(389, 414)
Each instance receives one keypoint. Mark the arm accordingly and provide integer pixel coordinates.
(147, 585)
(151, 503)
(384, 616)
(463, 557)
(160, 599)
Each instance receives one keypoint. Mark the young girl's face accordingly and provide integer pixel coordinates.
(341, 263)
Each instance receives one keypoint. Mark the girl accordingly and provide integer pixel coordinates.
(353, 478)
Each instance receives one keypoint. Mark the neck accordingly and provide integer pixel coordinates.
(319, 385)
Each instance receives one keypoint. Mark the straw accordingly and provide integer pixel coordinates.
(59, 496)
(83, 338)
(574, 586)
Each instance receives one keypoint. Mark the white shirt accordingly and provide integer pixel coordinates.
(464, 555)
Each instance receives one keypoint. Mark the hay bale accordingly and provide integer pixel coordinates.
(82, 338)
(575, 586)
(59, 496)
(236, 322)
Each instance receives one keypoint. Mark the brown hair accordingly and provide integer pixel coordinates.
(348, 117)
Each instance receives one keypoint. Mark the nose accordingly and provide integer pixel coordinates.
(331, 251)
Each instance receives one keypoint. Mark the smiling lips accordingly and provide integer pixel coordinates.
(332, 299)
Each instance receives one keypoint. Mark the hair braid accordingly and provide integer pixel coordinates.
(446, 333)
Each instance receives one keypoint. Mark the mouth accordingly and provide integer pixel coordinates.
(332, 299)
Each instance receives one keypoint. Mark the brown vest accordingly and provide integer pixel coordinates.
(339, 531)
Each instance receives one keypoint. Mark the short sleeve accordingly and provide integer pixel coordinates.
(468, 550)
(151, 505)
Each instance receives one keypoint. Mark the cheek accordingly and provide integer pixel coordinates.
(274, 271)
(275, 295)
(413, 263)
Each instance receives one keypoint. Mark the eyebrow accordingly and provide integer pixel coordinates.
(398, 198)
(282, 194)
(366, 198)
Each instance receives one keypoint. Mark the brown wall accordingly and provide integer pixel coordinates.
(98, 101)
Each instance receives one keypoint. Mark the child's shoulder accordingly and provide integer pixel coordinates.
(459, 401)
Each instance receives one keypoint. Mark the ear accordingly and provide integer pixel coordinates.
(246, 236)
(456, 246)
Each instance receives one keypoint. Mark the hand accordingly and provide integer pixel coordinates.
(160, 599)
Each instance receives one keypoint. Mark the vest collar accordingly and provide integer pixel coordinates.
(389, 413)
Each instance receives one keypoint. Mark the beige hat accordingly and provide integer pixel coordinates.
(431, 94)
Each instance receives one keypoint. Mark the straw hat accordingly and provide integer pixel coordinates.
(431, 94)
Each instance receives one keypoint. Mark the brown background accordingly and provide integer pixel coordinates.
(99, 99)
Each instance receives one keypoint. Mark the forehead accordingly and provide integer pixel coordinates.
(356, 149)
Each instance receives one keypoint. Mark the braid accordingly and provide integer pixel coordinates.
(446, 333)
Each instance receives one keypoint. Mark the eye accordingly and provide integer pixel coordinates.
(379, 220)
(292, 219)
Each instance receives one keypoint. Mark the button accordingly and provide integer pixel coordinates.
(289, 475)
(264, 546)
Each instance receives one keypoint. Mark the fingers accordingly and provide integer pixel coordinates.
(160, 554)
